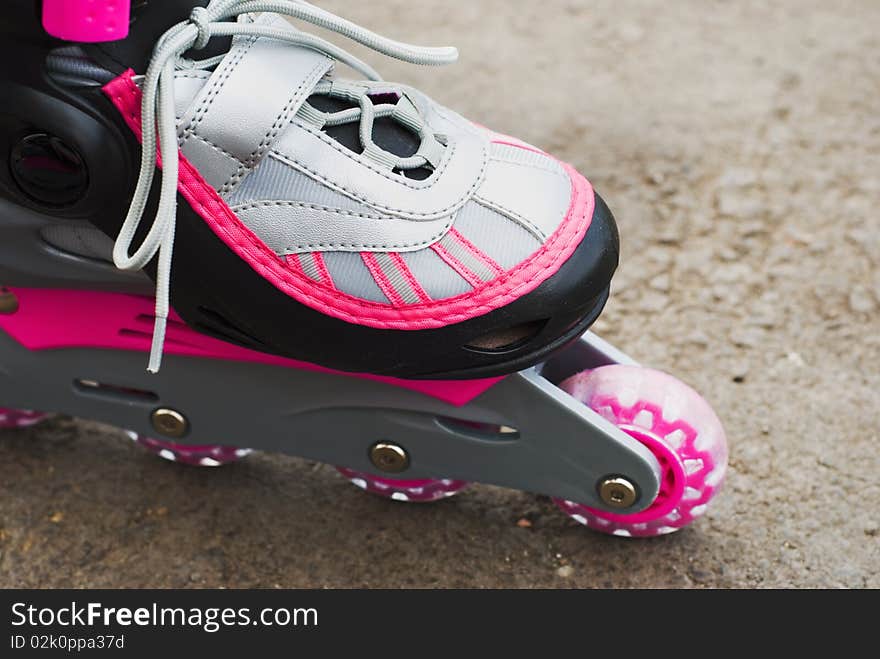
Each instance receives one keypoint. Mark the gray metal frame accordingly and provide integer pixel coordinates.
(560, 448)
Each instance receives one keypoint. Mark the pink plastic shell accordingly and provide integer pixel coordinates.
(89, 21)
(49, 319)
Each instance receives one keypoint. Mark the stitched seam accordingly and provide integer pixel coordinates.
(516, 163)
(479, 254)
(299, 261)
(191, 74)
(381, 280)
(512, 216)
(214, 146)
(280, 122)
(469, 276)
(293, 263)
(251, 205)
(296, 164)
(409, 277)
(322, 268)
(238, 210)
(284, 117)
(353, 246)
(216, 86)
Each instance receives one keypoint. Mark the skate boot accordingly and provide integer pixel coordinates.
(337, 268)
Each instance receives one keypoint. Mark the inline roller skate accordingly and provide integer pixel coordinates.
(339, 269)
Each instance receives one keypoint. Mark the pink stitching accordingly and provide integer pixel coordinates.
(293, 262)
(457, 265)
(376, 270)
(410, 277)
(476, 251)
(326, 279)
(516, 282)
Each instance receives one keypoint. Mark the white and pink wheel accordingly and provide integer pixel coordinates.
(413, 491)
(203, 455)
(19, 418)
(676, 424)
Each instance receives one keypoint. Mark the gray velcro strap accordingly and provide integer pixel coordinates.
(252, 96)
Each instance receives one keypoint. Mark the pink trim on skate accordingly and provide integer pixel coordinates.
(407, 274)
(49, 319)
(293, 262)
(90, 21)
(466, 273)
(326, 279)
(476, 251)
(486, 297)
(381, 279)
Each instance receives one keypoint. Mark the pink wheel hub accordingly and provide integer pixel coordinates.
(19, 418)
(416, 491)
(204, 455)
(676, 424)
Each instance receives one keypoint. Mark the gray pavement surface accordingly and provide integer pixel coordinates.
(738, 144)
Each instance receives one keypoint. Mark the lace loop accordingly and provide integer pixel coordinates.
(200, 18)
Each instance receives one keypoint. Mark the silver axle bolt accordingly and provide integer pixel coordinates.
(169, 423)
(388, 457)
(617, 492)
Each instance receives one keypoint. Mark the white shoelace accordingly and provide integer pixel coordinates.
(159, 122)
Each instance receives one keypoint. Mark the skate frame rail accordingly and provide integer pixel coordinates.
(550, 443)
(522, 432)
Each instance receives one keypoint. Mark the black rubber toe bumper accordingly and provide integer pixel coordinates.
(563, 307)
(219, 294)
